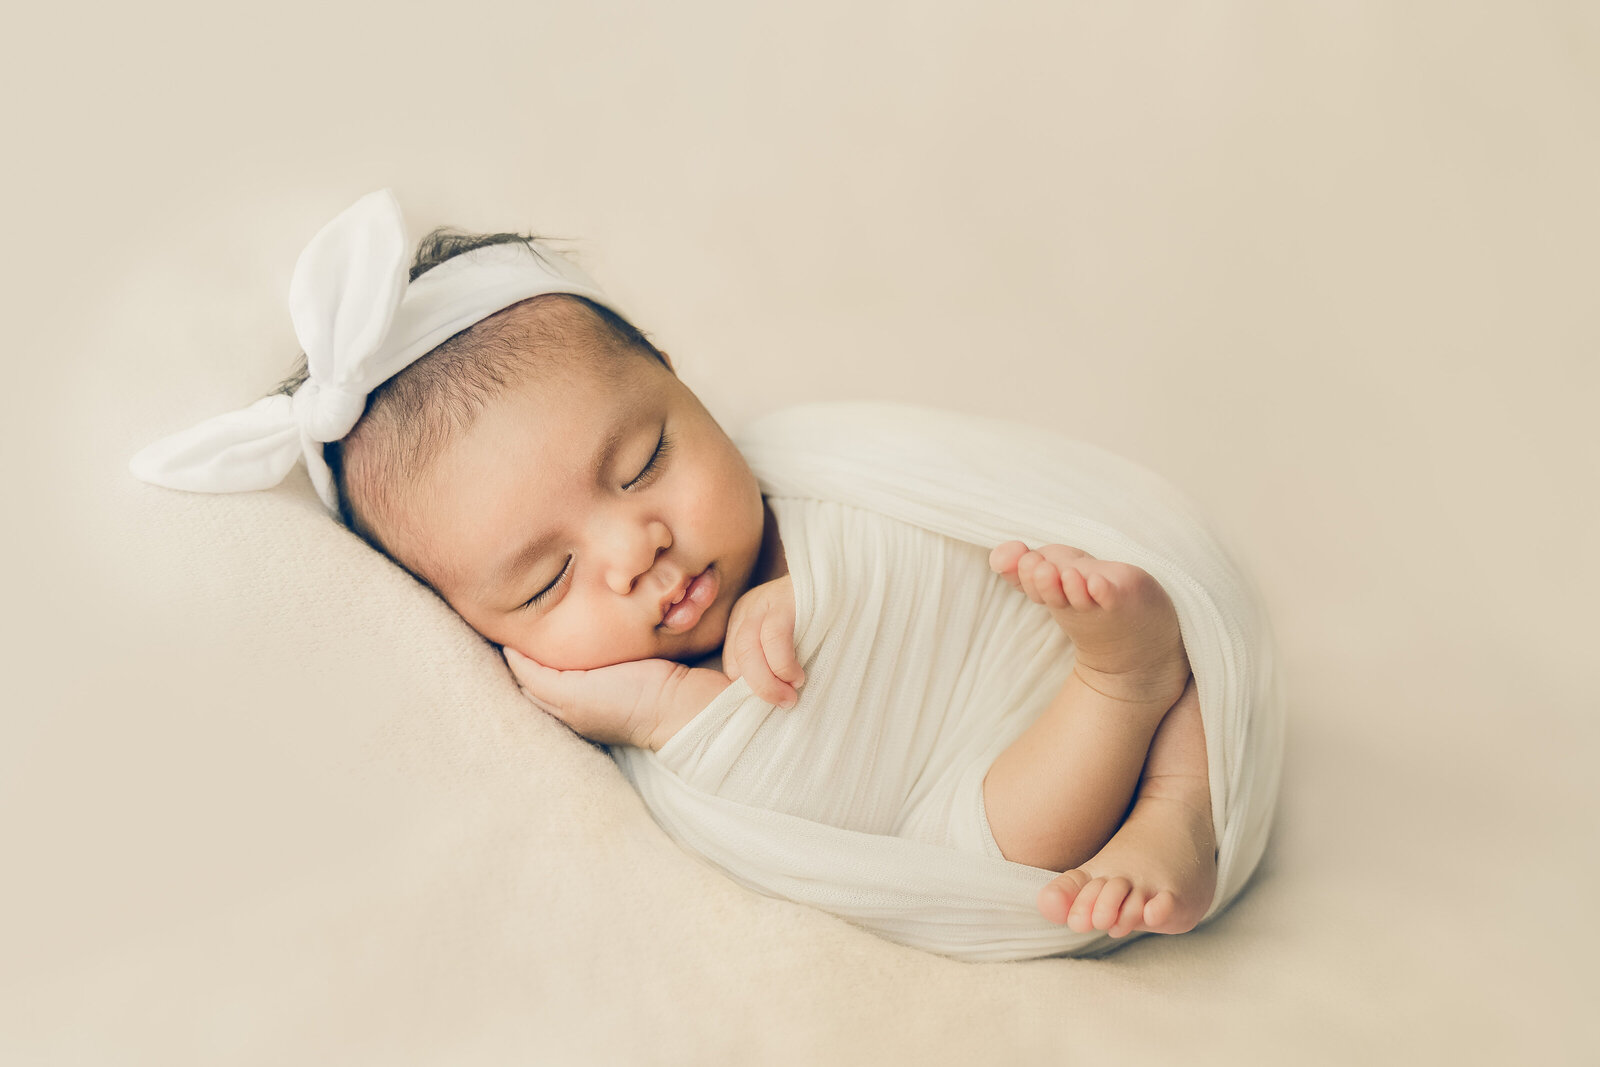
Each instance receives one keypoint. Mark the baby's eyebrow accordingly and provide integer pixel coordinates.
(520, 560)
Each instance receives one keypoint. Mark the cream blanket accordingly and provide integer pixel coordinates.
(922, 665)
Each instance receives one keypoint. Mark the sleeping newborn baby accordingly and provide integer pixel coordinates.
(490, 421)
(591, 516)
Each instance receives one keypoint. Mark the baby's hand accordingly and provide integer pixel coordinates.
(640, 703)
(759, 645)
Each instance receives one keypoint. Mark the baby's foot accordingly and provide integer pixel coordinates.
(1120, 620)
(1158, 873)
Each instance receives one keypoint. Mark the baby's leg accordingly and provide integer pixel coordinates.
(1059, 792)
(1159, 871)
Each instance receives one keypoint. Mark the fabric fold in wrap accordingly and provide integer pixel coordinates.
(865, 799)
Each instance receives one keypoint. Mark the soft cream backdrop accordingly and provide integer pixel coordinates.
(1332, 267)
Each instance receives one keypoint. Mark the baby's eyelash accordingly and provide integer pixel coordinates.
(653, 468)
(544, 594)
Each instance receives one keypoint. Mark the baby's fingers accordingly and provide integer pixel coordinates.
(746, 656)
(777, 642)
(526, 671)
(547, 687)
(768, 686)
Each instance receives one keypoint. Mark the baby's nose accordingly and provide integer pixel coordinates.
(637, 557)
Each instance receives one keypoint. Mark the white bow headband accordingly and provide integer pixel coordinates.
(361, 322)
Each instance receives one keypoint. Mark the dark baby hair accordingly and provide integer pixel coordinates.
(444, 390)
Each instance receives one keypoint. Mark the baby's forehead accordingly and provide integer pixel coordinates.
(575, 411)
(553, 347)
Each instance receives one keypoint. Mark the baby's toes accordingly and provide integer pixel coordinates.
(1132, 913)
(1081, 917)
(1003, 561)
(1031, 572)
(1108, 906)
(1062, 555)
(1075, 589)
(1047, 586)
(1055, 900)
(1123, 583)
(1158, 913)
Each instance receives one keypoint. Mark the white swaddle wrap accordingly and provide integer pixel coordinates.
(865, 799)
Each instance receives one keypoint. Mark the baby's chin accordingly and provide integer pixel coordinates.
(692, 651)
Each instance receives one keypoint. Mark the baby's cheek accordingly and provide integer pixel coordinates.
(587, 642)
(551, 645)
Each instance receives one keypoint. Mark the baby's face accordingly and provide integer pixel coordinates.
(569, 516)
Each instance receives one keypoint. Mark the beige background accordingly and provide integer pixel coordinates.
(1331, 267)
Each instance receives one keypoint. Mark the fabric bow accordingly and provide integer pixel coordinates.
(359, 323)
(346, 286)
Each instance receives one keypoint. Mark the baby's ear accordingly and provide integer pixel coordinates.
(667, 360)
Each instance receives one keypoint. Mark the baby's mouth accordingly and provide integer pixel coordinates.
(683, 614)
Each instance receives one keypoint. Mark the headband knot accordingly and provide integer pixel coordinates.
(361, 321)
(327, 412)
